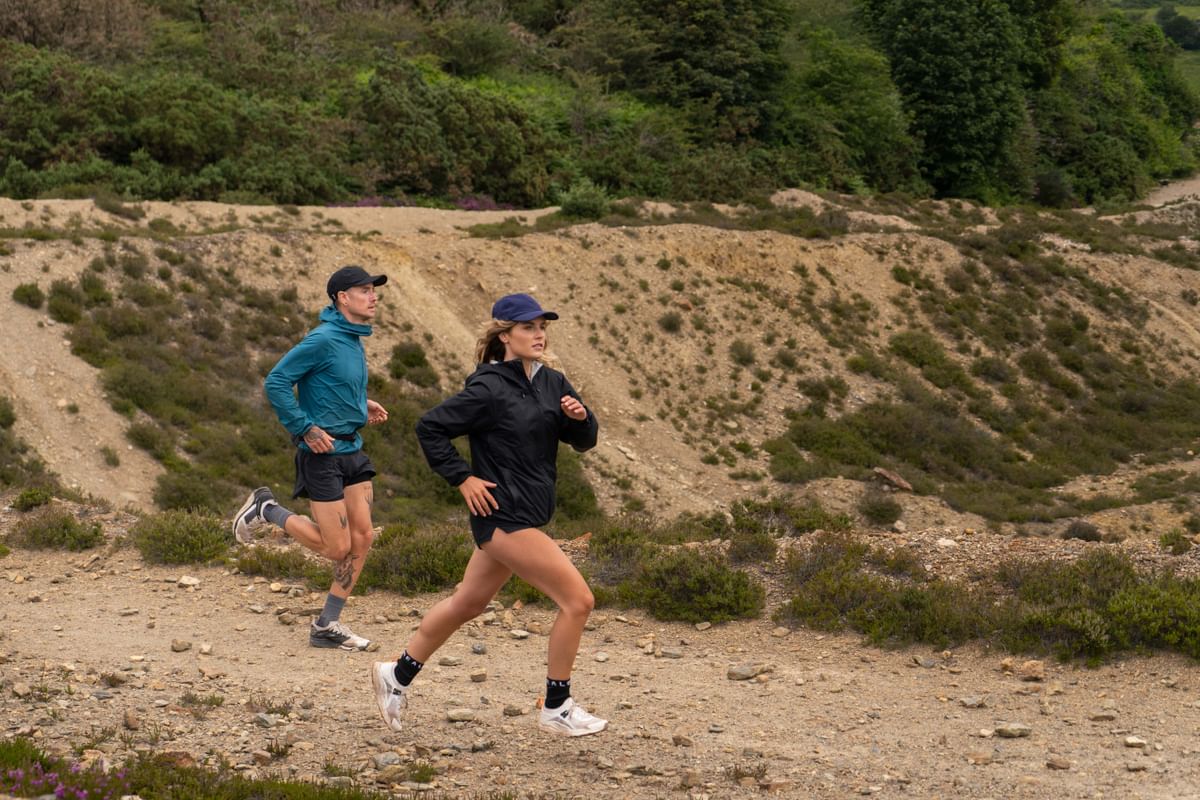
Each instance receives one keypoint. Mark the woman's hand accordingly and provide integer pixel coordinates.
(375, 413)
(573, 408)
(479, 499)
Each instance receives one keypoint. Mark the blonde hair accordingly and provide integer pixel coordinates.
(489, 348)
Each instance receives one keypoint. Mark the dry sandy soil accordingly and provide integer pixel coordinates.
(86, 649)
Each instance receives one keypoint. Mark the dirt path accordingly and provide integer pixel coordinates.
(87, 655)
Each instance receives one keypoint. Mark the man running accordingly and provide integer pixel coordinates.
(328, 370)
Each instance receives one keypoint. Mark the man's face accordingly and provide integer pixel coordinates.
(358, 303)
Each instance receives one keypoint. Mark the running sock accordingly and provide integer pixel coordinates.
(407, 668)
(557, 692)
(276, 514)
(332, 610)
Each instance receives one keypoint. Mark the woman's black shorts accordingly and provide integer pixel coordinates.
(482, 528)
(323, 477)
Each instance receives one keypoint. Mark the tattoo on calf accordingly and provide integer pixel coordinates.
(342, 519)
(343, 571)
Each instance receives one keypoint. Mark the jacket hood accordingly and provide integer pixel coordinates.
(508, 370)
(332, 316)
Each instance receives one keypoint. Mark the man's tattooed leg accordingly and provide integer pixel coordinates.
(343, 571)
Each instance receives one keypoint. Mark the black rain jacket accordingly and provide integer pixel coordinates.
(514, 426)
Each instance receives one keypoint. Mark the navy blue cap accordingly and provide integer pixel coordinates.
(349, 277)
(519, 308)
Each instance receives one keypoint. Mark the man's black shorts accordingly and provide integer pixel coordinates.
(323, 477)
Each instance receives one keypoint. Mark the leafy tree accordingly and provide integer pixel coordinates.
(956, 63)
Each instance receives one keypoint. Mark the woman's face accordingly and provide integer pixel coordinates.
(525, 340)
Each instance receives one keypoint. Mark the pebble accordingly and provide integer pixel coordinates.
(1032, 671)
(601, 656)
(478, 675)
(382, 760)
(131, 720)
(1057, 762)
(744, 672)
(780, 632)
(188, 582)
(517, 633)
(460, 715)
(514, 711)
(449, 661)
(180, 646)
(1013, 730)
(703, 626)
(1135, 741)
(974, 701)
(479, 649)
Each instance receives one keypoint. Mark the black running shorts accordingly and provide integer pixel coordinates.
(323, 477)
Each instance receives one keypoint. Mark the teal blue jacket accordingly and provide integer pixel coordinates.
(328, 368)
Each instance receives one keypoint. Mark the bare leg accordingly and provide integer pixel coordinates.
(482, 579)
(329, 535)
(359, 499)
(537, 559)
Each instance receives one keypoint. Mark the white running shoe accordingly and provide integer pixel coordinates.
(390, 696)
(570, 720)
(250, 513)
(335, 634)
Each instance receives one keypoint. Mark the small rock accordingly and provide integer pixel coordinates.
(382, 760)
(979, 757)
(671, 652)
(715, 728)
(478, 675)
(479, 649)
(925, 662)
(780, 632)
(1057, 762)
(1013, 730)
(691, 778)
(681, 740)
(703, 626)
(514, 711)
(1135, 766)
(188, 582)
(180, 646)
(899, 527)
(287, 618)
(946, 543)
(460, 715)
(973, 701)
(601, 656)
(1103, 716)
(1135, 741)
(744, 672)
(132, 722)
(1032, 671)
(449, 661)
(22, 689)
(261, 757)
(265, 720)
(517, 633)
(127, 612)
(206, 648)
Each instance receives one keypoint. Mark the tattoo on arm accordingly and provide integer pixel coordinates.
(343, 571)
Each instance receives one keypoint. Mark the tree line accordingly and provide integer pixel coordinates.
(483, 102)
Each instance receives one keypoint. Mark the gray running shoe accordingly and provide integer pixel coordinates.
(390, 697)
(335, 634)
(250, 513)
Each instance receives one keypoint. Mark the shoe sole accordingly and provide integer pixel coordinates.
(328, 645)
(375, 680)
(563, 732)
(241, 530)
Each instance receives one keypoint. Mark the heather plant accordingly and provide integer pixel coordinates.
(55, 528)
(177, 537)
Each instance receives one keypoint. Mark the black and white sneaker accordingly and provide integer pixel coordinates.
(250, 513)
(335, 634)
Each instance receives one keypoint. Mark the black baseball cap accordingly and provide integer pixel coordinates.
(351, 276)
(519, 308)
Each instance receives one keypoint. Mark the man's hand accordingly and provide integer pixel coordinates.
(318, 440)
(573, 408)
(375, 413)
(479, 499)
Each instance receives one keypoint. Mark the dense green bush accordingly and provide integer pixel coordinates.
(29, 294)
(32, 498)
(879, 508)
(692, 586)
(8, 414)
(57, 529)
(411, 560)
(178, 537)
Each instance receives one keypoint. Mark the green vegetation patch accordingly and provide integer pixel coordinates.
(177, 537)
(51, 528)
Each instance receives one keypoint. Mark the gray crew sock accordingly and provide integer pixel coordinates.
(332, 610)
(276, 514)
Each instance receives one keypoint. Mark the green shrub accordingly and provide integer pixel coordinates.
(747, 546)
(671, 322)
(1175, 541)
(8, 415)
(29, 294)
(584, 200)
(107, 201)
(32, 498)
(742, 352)
(690, 586)
(291, 563)
(178, 537)
(408, 362)
(1079, 529)
(66, 302)
(879, 508)
(409, 560)
(57, 529)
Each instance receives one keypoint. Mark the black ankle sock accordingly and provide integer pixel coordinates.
(557, 692)
(407, 668)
